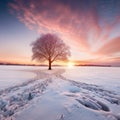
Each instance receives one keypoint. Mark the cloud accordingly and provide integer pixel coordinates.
(58, 17)
(111, 47)
(83, 24)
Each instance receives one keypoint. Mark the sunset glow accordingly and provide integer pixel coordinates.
(70, 65)
(89, 27)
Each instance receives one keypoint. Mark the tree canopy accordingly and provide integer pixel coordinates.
(50, 48)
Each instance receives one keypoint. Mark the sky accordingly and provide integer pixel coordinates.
(90, 27)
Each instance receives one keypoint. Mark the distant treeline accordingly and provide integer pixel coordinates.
(15, 64)
(94, 65)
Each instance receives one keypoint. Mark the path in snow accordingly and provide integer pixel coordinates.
(14, 99)
(50, 96)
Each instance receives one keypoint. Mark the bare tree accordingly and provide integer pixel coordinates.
(50, 48)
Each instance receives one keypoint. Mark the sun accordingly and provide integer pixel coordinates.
(70, 64)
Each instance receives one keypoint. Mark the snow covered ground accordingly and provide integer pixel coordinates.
(16, 75)
(82, 93)
(10, 78)
(108, 77)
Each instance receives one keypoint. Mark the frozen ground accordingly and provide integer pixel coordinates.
(62, 95)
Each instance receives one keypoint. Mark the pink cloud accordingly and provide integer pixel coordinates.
(57, 18)
(110, 47)
(80, 29)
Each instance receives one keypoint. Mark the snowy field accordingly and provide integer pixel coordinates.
(16, 75)
(108, 77)
(78, 93)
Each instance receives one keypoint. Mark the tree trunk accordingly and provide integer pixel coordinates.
(49, 65)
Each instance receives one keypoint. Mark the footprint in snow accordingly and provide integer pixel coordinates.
(93, 104)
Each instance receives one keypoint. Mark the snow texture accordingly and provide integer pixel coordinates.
(57, 95)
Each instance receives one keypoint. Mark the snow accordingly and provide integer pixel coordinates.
(81, 93)
(108, 77)
(10, 76)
